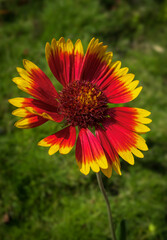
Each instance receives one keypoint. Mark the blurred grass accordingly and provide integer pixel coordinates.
(43, 197)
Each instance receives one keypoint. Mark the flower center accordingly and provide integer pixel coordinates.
(83, 104)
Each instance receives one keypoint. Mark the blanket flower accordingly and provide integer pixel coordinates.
(91, 86)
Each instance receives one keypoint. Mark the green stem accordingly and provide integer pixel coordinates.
(101, 186)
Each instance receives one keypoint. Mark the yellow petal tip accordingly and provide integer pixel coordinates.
(64, 150)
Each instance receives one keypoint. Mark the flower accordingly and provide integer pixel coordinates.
(91, 85)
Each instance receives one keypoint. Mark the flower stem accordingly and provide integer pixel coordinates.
(101, 186)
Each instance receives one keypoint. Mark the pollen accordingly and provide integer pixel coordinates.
(83, 104)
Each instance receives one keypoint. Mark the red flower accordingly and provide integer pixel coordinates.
(91, 83)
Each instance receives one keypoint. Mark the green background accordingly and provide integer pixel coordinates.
(45, 197)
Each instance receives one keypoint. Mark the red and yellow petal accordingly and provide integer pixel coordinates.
(34, 81)
(95, 61)
(38, 107)
(62, 140)
(89, 153)
(110, 152)
(22, 112)
(29, 119)
(64, 59)
(78, 58)
(124, 141)
(117, 85)
(18, 102)
(30, 122)
(130, 118)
